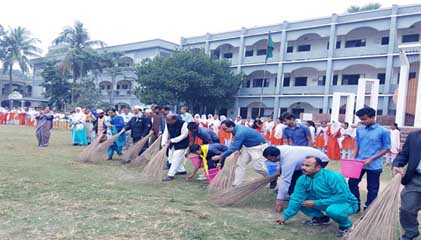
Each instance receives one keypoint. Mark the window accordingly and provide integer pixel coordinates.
(247, 85)
(304, 48)
(355, 43)
(338, 44)
(228, 55)
(379, 112)
(124, 86)
(215, 54)
(260, 82)
(283, 110)
(286, 81)
(381, 77)
(261, 52)
(350, 79)
(320, 110)
(410, 38)
(300, 81)
(321, 81)
(243, 112)
(249, 53)
(335, 80)
(385, 40)
(412, 75)
(290, 49)
(102, 87)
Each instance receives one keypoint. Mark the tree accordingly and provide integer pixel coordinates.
(18, 46)
(57, 85)
(368, 7)
(87, 94)
(80, 56)
(187, 77)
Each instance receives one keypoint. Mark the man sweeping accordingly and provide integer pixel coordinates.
(139, 125)
(290, 160)
(204, 134)
(115, 125)
(251, 143)
(411, 194)
(323, 195)
(175, 136)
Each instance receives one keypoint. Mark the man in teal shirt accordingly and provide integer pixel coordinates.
(318, 192)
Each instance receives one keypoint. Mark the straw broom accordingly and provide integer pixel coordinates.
(135, 149)
(99, 152)
(84, 156)
(154, 169)
(144, 158)
(380, 221)
(224, 179)
(241, 193)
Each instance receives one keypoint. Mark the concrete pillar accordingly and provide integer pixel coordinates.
(329, 65)
(402, 90)
(417, 122)
(349, 114)
(280, 73)
(336, 105)
(207, 44)
(374, 94)
(389, 61)
(241, 49)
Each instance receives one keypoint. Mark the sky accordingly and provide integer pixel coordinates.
(124, 21)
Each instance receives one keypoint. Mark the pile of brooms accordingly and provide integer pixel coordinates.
(135, 149)
(380, 221)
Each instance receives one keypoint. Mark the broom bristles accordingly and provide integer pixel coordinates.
(85, 155)
(224, 179)
(241, 193)
(98, 151)
(380, 221)
(135, 149)
(154, 169)
(141, 161)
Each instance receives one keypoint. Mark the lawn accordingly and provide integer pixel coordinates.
(45, 193)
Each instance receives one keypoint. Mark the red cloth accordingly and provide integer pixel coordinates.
(333, 150)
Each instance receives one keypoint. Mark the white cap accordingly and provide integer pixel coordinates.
(99, 111)
(137, 107)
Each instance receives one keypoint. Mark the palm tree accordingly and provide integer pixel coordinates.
(18, 46)
(368, 7)
(80, 50)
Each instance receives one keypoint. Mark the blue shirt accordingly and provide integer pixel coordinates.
(205, 134)
(299, 135)
(370, 141)
(243, 136)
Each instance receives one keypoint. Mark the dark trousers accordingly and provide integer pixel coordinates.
(373, 184)
(410, 206)
(297, 174)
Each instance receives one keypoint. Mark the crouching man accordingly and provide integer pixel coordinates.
(323, 195)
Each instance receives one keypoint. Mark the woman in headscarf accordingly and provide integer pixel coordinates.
(204, 121)
(333, 134)
(78, 121)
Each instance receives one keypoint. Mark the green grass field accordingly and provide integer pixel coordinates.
(45, 193)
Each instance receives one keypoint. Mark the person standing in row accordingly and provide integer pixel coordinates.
(372, 143)
(139, 125)
(348, 142)
(115, 125)
(333, 134)
(77, 121)
(186, 115)
(295, 134)
(395, 139)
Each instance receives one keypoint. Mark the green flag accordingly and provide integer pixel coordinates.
(269, 48)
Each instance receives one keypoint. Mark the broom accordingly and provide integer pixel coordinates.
(99, 152)
(240, 193)
(84, 156)
(224, 179)
(142, 160)
(135, 149)
(154, 169)
(380, 221)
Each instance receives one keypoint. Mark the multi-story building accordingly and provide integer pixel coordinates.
(314, 58)
(22, 84)
(124, 83)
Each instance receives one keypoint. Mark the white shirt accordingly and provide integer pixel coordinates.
(279, 129)
(268, 126)
(126, 116)
(166, 135)
(395, 139)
